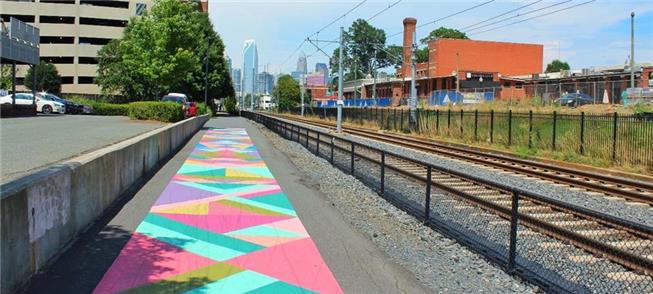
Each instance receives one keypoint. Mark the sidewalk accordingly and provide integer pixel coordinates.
(222, 225)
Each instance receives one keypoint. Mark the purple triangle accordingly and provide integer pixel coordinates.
(175, 192)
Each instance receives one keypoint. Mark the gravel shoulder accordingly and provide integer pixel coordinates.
(438, 262)
(613, 206)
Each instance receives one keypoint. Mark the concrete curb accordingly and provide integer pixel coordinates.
(43, 212)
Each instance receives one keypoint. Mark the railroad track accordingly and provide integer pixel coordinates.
(596, 184)
(603, 237)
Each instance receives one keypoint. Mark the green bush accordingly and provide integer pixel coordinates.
(230, 105)
(102, 108)
(203, 109)
(153, 110)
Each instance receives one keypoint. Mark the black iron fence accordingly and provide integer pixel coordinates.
(509, 235)
(611, 138)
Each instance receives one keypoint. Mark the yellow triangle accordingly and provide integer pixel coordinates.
(240, 174)
(196, 209)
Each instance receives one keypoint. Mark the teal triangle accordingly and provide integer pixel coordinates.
(218, 172)
(280, 287)
(188, 168)
(277, 199)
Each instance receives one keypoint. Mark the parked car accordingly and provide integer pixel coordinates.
(43, 103)
(48, 105)
(21, 99)
(574, 99)
(71, 107)
(189, 108)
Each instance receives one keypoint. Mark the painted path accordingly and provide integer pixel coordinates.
(222, 225)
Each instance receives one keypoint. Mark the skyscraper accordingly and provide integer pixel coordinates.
(302, 65)
(250, 67)
(324, 69)
(236, 76)
(228, 61)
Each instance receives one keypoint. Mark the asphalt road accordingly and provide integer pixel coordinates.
(30, 143)
(357, 264)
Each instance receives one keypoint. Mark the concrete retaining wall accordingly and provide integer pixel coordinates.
(43, 212)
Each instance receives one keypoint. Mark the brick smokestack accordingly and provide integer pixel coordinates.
(409, 30)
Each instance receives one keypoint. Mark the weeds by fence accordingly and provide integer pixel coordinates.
(603, 138)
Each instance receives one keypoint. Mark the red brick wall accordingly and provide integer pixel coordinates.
(485, 56)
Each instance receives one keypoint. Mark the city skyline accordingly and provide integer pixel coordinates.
(568, 35)
(250, 67)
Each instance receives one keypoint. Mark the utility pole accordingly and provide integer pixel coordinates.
(251, 98)
(340, 84)
(302, 80)
(374, 76)
(206, 74)
(632, 49)
(457, 73)
(413, 88)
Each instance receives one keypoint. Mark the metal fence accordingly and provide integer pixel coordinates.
(503, 234)
(615, 138)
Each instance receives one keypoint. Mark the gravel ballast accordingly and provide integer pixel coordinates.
(642, 214)
(438, 262)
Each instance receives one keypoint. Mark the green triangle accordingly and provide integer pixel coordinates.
(218, 172)
(277, 199)
(280, 287)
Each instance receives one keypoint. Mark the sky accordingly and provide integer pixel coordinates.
(591, 35)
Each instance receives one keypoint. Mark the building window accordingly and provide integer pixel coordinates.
(86, 80)
(111, 3)
(140, 9)
(57, 19)
(59, 59)
(93, 41)
(87, 60)
(23, 18)
(102, 22)
(57, 40)
(67, 80)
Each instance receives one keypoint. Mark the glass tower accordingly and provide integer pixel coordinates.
(250, 67)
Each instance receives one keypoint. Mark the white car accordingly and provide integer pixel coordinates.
(43, 104)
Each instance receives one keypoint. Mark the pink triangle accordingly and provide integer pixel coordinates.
(144, 260)
(298, 263)
(223, 223)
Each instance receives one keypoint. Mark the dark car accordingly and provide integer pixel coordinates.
(574, 99)
(71, 107)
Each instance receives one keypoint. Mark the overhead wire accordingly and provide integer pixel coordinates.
(520, 14)
(499, 15)
(537, 16)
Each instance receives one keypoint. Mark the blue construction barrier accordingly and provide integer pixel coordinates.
(445, 97)
(378, 102)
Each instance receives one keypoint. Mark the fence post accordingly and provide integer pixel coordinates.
(382, 125)
(317, 145)
(427, 201)
(332, 146)
(530, 129)
(582, 133)
(437, 121)
(514, 220)
(309, 149)
(509, 127)
(491, 126)
(476, 125)
(401, 125)
(461, 122)
(614, 137)
(352, 158)
(382, 172)
(448, 121)
(553, 140)
(394, 120)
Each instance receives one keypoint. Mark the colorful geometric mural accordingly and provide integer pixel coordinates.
(222, 225)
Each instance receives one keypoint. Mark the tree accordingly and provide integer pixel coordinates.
(165, 50)
(5, 77)
(47, 78)
(287, 90)
(395, 55)
(443, 32)
(556, 66)
(364, 44)
(230, 105)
